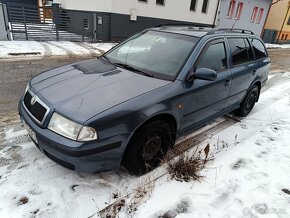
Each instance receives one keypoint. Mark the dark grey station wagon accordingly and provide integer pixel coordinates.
(128, 106)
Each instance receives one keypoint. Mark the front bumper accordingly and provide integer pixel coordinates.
(82, 157)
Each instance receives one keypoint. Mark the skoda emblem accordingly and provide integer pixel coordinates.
(33, 100)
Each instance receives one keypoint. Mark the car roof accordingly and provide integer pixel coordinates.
(199, 31)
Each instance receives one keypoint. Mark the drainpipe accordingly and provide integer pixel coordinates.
(282, 27)
(216, 13)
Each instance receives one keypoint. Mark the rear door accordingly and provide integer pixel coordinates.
(204, 99)
(243, 67)
(262, 58)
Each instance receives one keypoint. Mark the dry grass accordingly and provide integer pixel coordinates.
(113, 210)
(141, 194)
(187, 167)
(129, 204)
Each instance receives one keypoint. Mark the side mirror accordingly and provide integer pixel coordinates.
(203, 74)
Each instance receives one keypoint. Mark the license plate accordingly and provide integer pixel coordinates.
(30, 131)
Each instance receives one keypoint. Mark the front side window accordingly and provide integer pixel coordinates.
(259, 49)
(239, 51)
(213, 57)
(155, 53)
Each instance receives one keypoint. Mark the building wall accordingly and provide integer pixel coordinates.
(122, 27)
(276, 21)
(287, 22)
(172, 10)
(245, 19)
(284, 35)
(86, 5)
(276, 15)
(148, 13)
(3, 32)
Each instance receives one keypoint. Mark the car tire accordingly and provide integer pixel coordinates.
(249, 102)
(147, 147)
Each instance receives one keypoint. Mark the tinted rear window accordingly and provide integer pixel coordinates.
(259, 49)
(249, 50)
(239, 51)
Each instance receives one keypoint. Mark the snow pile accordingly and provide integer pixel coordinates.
(33, 49)
(277, 45)
(8, 47)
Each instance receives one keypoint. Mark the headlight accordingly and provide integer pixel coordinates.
(70, 129)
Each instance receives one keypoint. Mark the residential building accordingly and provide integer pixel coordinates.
(277, 27)
(3, 24)
(243, 14)
(130, 16)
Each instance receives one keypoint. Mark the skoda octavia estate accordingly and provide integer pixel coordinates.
(128, 106)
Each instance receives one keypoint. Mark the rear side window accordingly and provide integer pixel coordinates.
(213, 57)
(239, 51)
(249, 50)
(259, 49)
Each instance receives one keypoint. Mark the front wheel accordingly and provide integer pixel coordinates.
(249, 102)
(147, 147)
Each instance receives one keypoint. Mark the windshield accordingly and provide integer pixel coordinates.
(153, 53)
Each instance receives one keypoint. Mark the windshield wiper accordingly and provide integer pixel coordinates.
(128, 67)
(107, 59)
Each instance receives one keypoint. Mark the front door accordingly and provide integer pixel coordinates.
(204, 99)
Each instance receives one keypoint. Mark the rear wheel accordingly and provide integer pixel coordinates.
(249, 102)
(147, 147)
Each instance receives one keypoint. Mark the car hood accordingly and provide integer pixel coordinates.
(84, 89)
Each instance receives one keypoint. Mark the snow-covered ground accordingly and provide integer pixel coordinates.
(246, 178)
(277, 45)
(33, 49)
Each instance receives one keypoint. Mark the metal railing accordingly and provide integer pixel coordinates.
(29, 22)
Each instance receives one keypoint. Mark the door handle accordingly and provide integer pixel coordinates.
(254, 72)
(227, 82)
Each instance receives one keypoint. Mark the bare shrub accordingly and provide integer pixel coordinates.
(187, 167)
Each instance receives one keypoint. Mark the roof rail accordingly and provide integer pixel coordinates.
(184, 24)
(230, 30)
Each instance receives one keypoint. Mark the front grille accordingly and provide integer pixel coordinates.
(37, 110)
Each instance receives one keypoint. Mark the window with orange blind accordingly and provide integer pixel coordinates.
(260, 15)
(254, 14)
(239, 10)
(231, 9)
